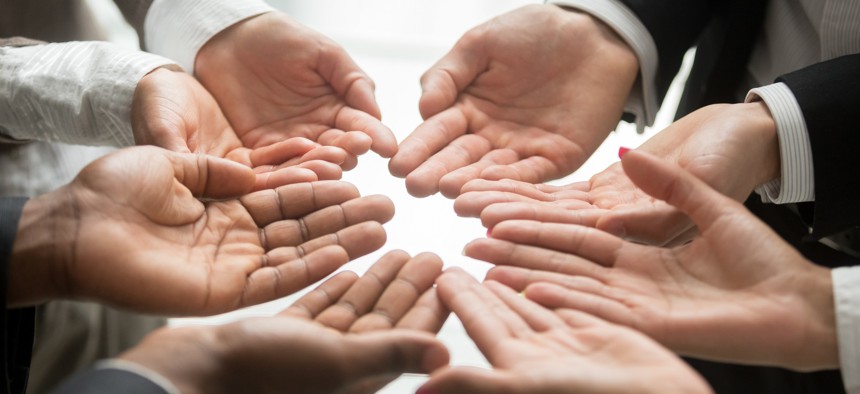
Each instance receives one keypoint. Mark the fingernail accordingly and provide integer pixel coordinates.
(490, 232)
(422, 390)
(621, 151)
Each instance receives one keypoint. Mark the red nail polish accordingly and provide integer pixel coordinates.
(621, 151)
(490, 232)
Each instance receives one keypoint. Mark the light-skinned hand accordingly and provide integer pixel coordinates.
(173, 111)
(736, 293)
(130, 231)
(733, 148)
(535, 350)
(529, 95)
(276, 79)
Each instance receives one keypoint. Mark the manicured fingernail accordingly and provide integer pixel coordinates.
(490, 232)
(621, 151)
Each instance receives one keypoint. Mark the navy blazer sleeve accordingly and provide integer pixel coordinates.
(109, 381)
(829, 96)
(17, 325)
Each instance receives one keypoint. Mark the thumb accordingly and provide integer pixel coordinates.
(679, 188)
(443, 82)
(212, 177)
(393, 353)
(466, 380)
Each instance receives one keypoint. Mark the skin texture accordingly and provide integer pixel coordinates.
(276, 79)
(736, 293)
(528, 95)
(535, 350)
(733, 148)
(130, 231)
(173, 111)
(349, 335)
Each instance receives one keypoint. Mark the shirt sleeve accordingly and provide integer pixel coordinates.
(78, 92)
(118, 376)
(177, 29)
(797, 179)
(643, 101)
(846, 294)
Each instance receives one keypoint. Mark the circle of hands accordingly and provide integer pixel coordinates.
(620, 272)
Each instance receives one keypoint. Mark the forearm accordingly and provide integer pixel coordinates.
(43, 246)
(78, 93)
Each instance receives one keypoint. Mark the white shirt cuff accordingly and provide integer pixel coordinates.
(77, 92)
(138, 369)
(643, 100)
(177, 29)
(797, 179)
(846, 297)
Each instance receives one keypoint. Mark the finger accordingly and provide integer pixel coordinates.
(586, 242)
(472, 204)
(362, 296)
(461, 152)
(654, 225)
(428, 314)
(533, 191)
(282, 177)
(427, 139)
(282, 151)
(296, 200)
(272, 282)
(501, 252)
(557, 297)
(351, 82)
(494, 214)
(331, 154)
(487, 320)
(451, 185)
(534, 169)
(679, 188)
(382, 140)
(443, 82)
(211, 177)
(537, 317)
(519, 278)
(577, 319)
(401, 295)
(354, 142)
(471, 380)
(317, 300)
(358, 240)
(324, 170)
(327, 221)
(392, 353)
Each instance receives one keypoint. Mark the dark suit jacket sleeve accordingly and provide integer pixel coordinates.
(109, 381)
(829, 96)
(17, 325)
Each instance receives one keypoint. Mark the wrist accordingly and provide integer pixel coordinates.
(819, 349)
(762, 129)
(44, 250)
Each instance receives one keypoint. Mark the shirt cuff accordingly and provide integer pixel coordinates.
(797, 180)
(137, 369)
(177, 29)
(846, 297)
(76, 92)
(643, 101)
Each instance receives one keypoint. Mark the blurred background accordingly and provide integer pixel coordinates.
(395, 41)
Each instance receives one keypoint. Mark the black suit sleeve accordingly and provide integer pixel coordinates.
(17, 325)
(109, 381)
(829, 96)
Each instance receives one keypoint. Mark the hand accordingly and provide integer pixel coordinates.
(733, 148)
(350, 334)
(276, 79)
(534, 350)
(284, 354)
(529, 95)
(172, 110)
(396, 293)
(736, 293)
(129, 231)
